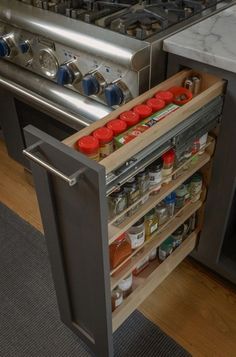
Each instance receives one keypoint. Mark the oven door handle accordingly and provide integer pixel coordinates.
(30, 154)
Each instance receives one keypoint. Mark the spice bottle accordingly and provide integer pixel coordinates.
(202, 141)
(142, 110)
(166, 248)
(153, 255)
(196, 187)
(155, 104)
(178, 236)
(170, 203)
(162, 213)
(141, 266)
(168, 165)
(132, 191)
(151, 223)
(130, 118)
(167, 96)
(105, 138)
(119, 251)
(117, 126)
(89, 146)
(136, 234)
(116, 298)
(126, 286)
(181, 193)
(155, 175)
(144, 184)
(117, 202)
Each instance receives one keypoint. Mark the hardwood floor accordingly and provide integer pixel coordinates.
(193, 306)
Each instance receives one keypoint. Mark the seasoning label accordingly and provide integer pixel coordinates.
(153, 228)
(155, 177)
(143, 262)
(137, 239)
(106, 149)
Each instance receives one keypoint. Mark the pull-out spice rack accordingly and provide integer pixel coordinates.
(72, 192)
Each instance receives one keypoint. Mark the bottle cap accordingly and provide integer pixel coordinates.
(131, 118)
(169, 156)
(156, 104)
(167, 96)
(104, 135)
(88, 145)
(178, 93)
(117, 126)
(143, 110)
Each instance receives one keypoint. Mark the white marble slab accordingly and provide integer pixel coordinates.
(212, 41)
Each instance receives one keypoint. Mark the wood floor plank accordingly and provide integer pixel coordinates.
(193, 306)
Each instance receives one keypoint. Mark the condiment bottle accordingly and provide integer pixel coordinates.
(89, 146)
(136, 234)
(168, 165)
(155, 175)
(181, 193)
(170, 203)
(126, 286)
(162, 213)
(142, 110)
(105, 138)
(116, 298)
(166, 248)
(156, 104)
(117, 202)
(196, 187)
(130, 118)
(151, 223)
(132, 191)
(195, 146)
(202, 141)
(144, 184)
(117, 126)
(119, 250)
(153, 255)
(141, 266)
(166, 96)
(178, 236)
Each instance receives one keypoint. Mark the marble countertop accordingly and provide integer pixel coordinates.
(211, 41)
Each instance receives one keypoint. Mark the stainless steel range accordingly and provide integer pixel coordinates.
(75, 60)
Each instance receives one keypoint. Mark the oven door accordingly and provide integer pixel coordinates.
(26, 98)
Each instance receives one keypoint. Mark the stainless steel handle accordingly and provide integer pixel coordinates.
(71, 180)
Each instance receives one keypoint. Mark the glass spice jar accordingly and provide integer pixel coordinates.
(155, 175)
(119, 250)
(132, 191)
(144, 184)
(136, 234)
(166, 248)
(89, 146)
(170, 203)
(105, 138)
(116, 298)
(168, 165)
(178, 236)
(202, 141)
(126, 286)
(196, 187)
(151, 223)
(181, 193)
(162, 213)
(117, 202)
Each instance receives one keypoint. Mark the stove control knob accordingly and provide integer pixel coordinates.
(90, 85)
(5, 49)
(24, 47)
(114, 95)
(68, 73)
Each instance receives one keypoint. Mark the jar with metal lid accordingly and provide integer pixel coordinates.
(180, 192)
(136, 234)
(132, 191)
(170, 203)
(166, 248)
(196, 187)
(162, 213)
(155, 175)
(116, 298)
(178, 236)
(151, 223)
(117, 202)
(144, 184)
(168, 165)
(105, 138)
(119, 250)
(126, 286)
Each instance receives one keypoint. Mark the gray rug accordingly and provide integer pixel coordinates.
(29, 319)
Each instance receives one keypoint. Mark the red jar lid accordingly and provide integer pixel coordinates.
(169, 156)
(181, 91)
(142, 110)
(156, 104)
(104, 135)
(88, 145)
(167, 96)
(131, 118)
(117, 126)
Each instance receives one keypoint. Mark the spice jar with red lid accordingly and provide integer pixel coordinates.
(167, 96)
(105, 138)
(142, 110)
(117, 126)
(168, 165)
(156, 104)
(119, 250)
(89, 146)
(131, 118)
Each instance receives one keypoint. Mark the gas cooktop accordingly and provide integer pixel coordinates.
(138, 19)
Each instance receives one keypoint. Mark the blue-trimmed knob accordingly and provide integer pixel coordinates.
(90, 85)
(4, 48)
(64, 76)
(24, 47)
(114, 95)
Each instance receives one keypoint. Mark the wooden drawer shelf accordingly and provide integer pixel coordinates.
(155, 241)
(147, 281)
